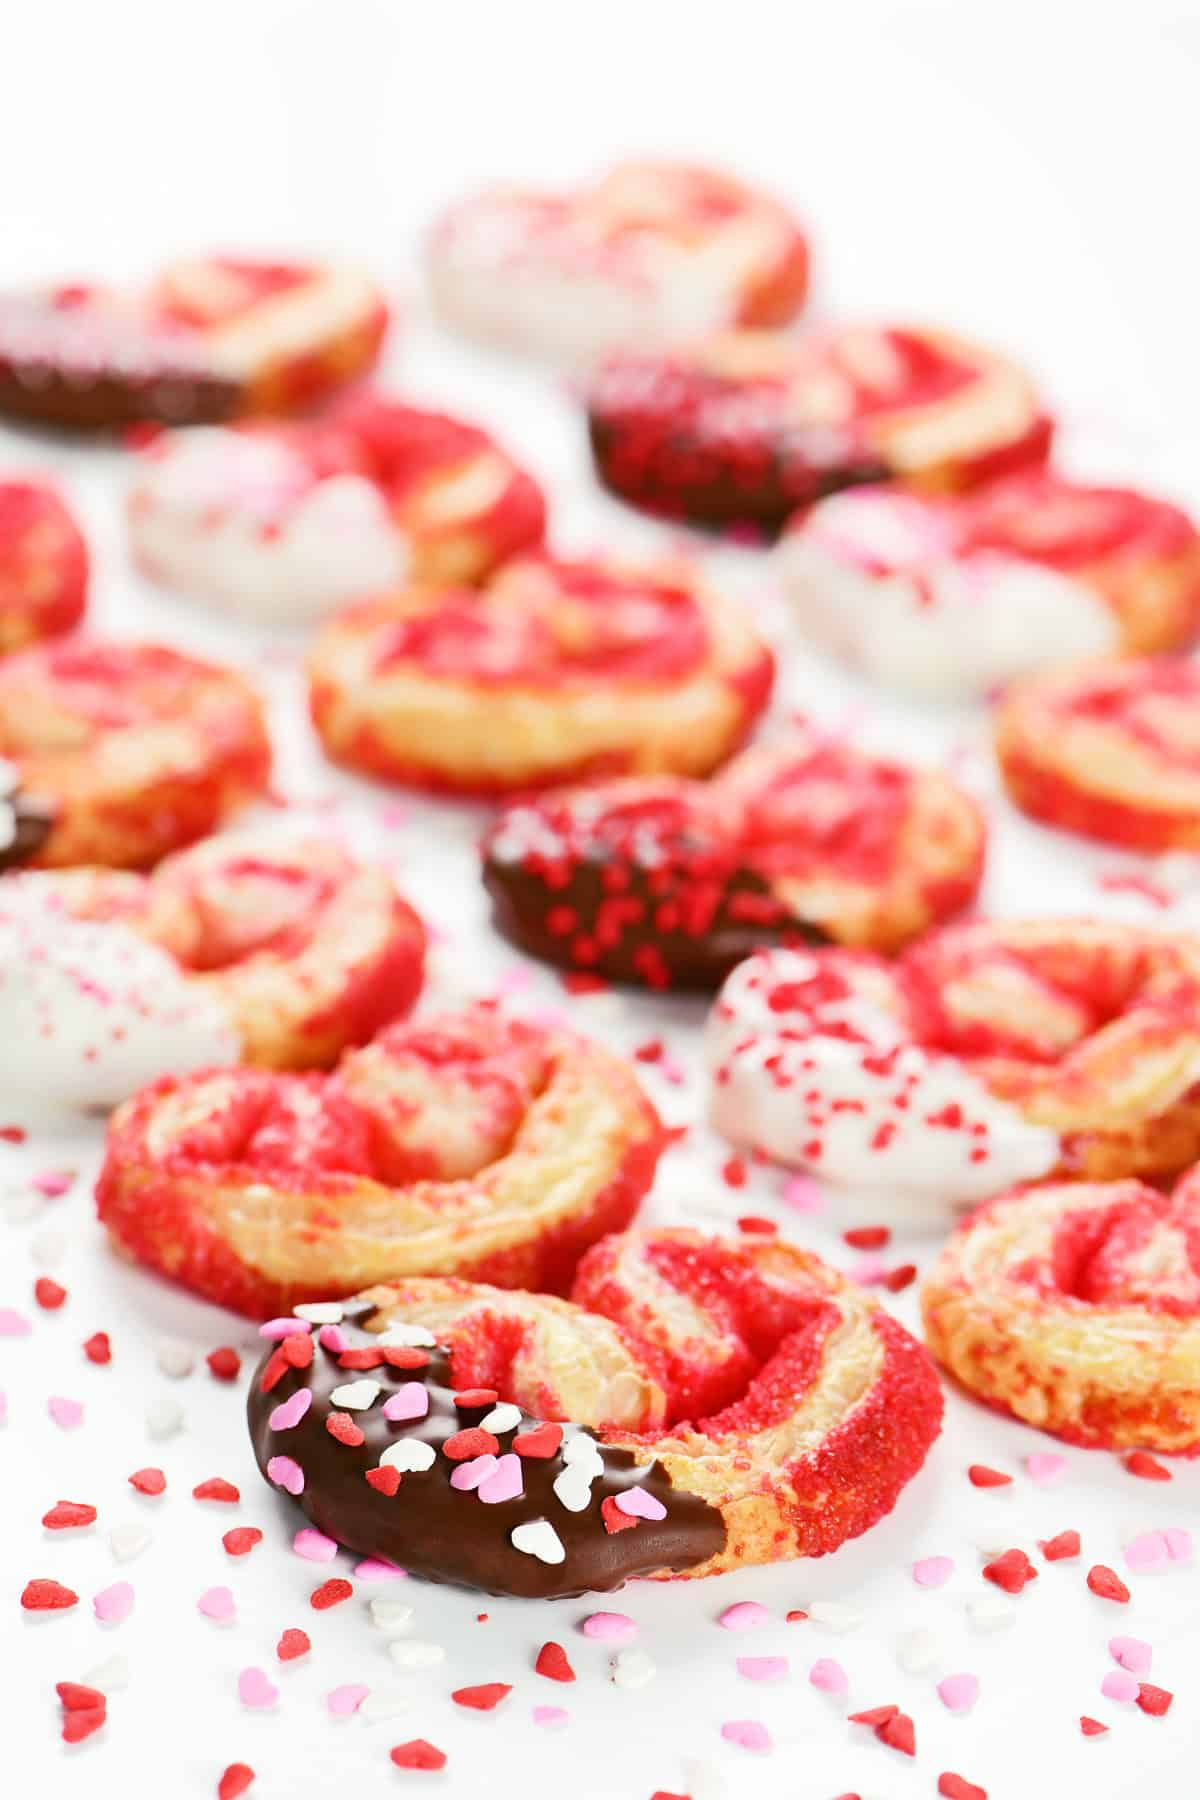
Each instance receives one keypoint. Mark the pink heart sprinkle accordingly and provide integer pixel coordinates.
(114, 1603)
(617, 1626)
(52, 1184)
(373, 1568)
(343, 1701)
(958, 1693)
(1149, 1551)
(289, 1412)
(13, 1324)
(1045, 1467)
(762, 1668)
(1117, 1685)
(829, 1676)
(869, 1271)
(314, 1546)
(217, 1603)
(1179, 1543)
(746, 1615)
(468, 1475)
(333, 1338)
(506, 1481)
(255, 1690)
(551, 1716)
(67, 1414)
(286, 1473)
(802, 1194)
(748, 1733)
(410, 1401)
(636, 1503)
(1132, 1653)
(275, 1329)
(933, 1571)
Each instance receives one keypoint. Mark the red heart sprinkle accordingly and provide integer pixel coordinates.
(69, 1515)
(242, 1539)
(898, 1733)
(614, 1518)
(468, 1397)
(484, 1697)
(463, 1445)
(43, 1595)
(418, 1754)
(897, 1279)
(225, 1363)
(341, 1426)
(81, 1724)
(75, 1696)
(1012, 1571)
(1107, 1584)
(216, 1489)
(385, 1480)
(553, 1664)
(292, 1644)
(868, 1237)
(365, 1358)
(1139, 1462)
(543, 1440)
(1091, 1727)
(957, 1787)
(274, 1369)
(979, 1475)
(148, 1481)
(330, 1593)
(298, 1350)
(1153, 1700)
(405, 1356)
(1060, 1548)
(48, 1294)
(874, 1716)
(97, 1348)
(234, 1781)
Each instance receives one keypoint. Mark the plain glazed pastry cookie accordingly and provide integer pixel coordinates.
(950, 596)
(133, 750)
(670, 883)
(745, 428)
(287, 521)
(651, 252)
(1076, 1308)
(208, 340)
(700, 1404)
(43, 565)
(554, 671)
(279, 955)
(469, 1144)
(1108, 749)
(988, 1054)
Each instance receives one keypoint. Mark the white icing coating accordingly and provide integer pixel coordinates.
(92, 1011)
(873, 577)
(240, 520)
(948, 1143)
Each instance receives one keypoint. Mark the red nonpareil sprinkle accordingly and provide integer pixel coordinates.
(97, 1348)
(484, 1697)
(242, 1539)
(1091, 1727)
(69, 1515)
(650, 1051)
(867, 1237)
(148, 1481)
(461, 1446)
(48, 1293)
(898, 1733)
(418, 1754)
(293, 1643)
(614, 1518)
(217, 1488)
(76, 1697)
(341, 1426)
(1012, 1571)
(1153, 1700)
(897, 1279)
(225, 1363)
(385, 1480)
(980, 1476)
(754, 1225)
(234, 1781)
(467, 1398)
(1147, 1467)
(1106, 1583)
(1062, 1547)
(81, 1724)
(297, 1350)
(43, 1595)
(957, 1787)
(542, 1441)
(552, 1662)
(330, 1593)
(733, 1172)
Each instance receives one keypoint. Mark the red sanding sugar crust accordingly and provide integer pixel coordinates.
(750, 428)
(469, 1144)
(1110, 750)
(139, 748)
(43, 565)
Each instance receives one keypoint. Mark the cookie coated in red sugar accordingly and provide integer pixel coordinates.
(1108, 749)
(555, 670)
(135, 749)
(207, 340)
(1036, 1298)
(748, 427)
(669, 883)
(467, 1143)
(714, 1403)
(43, 564)
(649, 253)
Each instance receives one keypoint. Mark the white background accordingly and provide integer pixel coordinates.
(1023, 173)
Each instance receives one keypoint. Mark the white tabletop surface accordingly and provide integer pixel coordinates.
(1022, 176)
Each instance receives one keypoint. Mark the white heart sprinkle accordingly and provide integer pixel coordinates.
(390, 1615)
(356, 1396)
(632, 1669)
(415, 1336)
(164, 1417)
(409, 1455)
(580, 1450)
(988, 1612)
(834, 1614)
(175, 1359)
(919, 1651)
(128, 1541)
(537, 1537)
(109, 1676)
(415, 1653)
(573, 1490)
(504, 1417)
(321, 1312)
(385, 1703)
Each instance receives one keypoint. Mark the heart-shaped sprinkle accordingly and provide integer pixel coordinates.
(43, 1595)
(835, 1615)
(410, 1401)
(342, 1428)
(275, 1330)
(333, 1339)
(468, 1475)
(1045, 1467)
(537, 1537)
(384, 1481)
(762, 1668)
(409, 1455)
(286, 1473)
(918, 1652)
(112, 1604)
(542, 1441)
(321, 1312)
(67, 1414)
(468, 1398)
(828, 1676)
(293, 1643)
(1118, 1685)
(254, 1689)
(638, 1503)
(418, 1753)
(416, 1335)
(553, 1663)
(749, 1734)
(504, 1417)
(573, 1489)
(343, 1701)
(933, 1571)
(745, 1615)
(385, 1703)
(618, 1627)
(355, 1396)
(1132, 1653)
(506, 1481)
(632, 1669)
(582, 1451)
(164, 1417)
(390, 1615)
(1148, 1551)
(373, 1568)
(550, 1717)
(485, 1697)
(69, 1515)
(217, 1603)
(314, 1546)
(128, 1541)
(958, 1693)
(289, 1412)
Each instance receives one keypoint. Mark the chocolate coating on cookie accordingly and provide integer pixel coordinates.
(25, 820)
(437, 1530)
